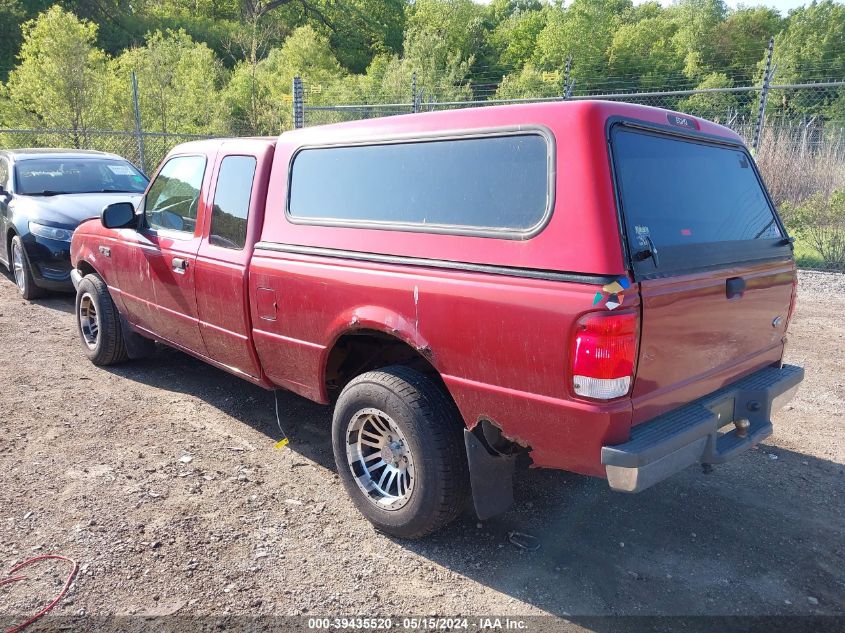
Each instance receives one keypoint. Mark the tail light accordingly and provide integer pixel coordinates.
(604, 352)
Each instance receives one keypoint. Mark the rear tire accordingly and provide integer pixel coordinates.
(98, 323)
(399, 448)
(22, 271)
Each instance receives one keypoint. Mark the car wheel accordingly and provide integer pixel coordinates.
(22, 271)
(399, 448)
(98, 323)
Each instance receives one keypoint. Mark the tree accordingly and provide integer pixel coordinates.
(584, 31)
(740, 41)
(442, 72)
(514, 38)
(645, 51)
(530, 83)
(716, 106)
(695, 39)
(811, 49)
(259, 98)
(11, 14)
(60, 78)
(356, 29)
(458, 23)
(179, 81)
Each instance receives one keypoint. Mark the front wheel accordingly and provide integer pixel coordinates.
(22, 270)
(98, 323)
(399, 448)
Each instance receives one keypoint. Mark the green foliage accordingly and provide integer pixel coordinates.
(58, 82)
(716, 106)
(697, 24)
(819, 222)
(514, 38)
(739, 41)
(529, 82)
(646, 49)
(362, 29)
(259, 94)
(179, 83)
(811, 48)
(442, 71)
(11, 13)
(215, 66)
(458, 23)
(584, 31)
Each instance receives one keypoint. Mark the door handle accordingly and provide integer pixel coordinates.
(734, 287)
(180, 265)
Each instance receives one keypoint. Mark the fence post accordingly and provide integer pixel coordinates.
(298, 105)
(414, 106)
(566, 70)
(139, 134)
(764, 96)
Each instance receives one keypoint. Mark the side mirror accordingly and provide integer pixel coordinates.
(119, 215)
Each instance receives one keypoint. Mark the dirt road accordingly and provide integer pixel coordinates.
(161, 479)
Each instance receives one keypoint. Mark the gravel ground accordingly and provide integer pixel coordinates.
(160, 478)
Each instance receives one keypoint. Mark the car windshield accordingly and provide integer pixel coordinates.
(54, 176)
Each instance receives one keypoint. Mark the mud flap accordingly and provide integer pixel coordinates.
(137, 346)
(491, 478)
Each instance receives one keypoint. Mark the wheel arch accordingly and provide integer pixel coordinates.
(11, 232)
(357, 350)
(87, 268)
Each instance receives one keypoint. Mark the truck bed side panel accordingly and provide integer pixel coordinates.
(499, 342)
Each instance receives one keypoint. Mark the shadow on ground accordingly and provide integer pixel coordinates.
(61, 301)
(763, 535)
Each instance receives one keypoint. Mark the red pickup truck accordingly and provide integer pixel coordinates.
(597, 287)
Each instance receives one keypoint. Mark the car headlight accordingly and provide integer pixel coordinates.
(50, 232)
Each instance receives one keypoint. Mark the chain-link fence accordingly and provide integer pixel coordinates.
(144, 149)
(796, 130)
(747, 109)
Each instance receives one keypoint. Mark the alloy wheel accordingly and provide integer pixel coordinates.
(89, 320)
(18, 267)
(379, 458)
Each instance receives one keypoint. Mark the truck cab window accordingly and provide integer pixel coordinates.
(174, 195)
(231, 202)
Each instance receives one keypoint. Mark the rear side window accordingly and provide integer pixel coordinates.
(231, 202)
(494, 184)
(697, 203)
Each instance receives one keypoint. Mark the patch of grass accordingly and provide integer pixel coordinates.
(806, 256)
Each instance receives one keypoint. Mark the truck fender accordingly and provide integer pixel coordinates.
(376, 319)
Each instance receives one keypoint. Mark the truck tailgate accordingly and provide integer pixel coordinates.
(713, 261)
(696, 339)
